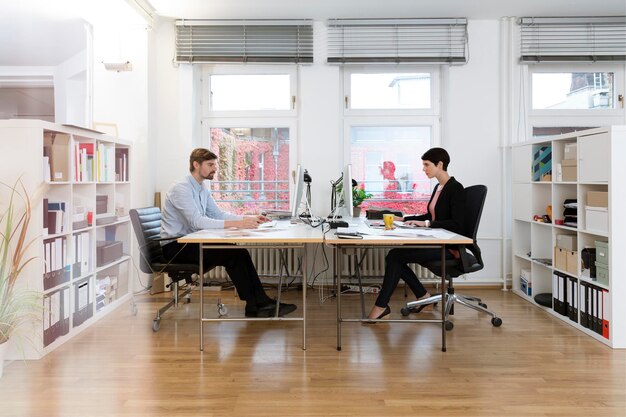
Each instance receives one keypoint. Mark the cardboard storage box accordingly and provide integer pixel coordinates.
(567, 242)
(602, 274)
(101, 203)
(108, 251)
(597, 219)
(602, 252)
(560, 258)
(569, 169)
(572, 262)
(598, 198)
(570, 151)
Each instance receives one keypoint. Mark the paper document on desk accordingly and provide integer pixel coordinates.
(420, 232)
(361, 229)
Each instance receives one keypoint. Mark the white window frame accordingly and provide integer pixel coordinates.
(435, 95)
(245, 69)
(574, 117)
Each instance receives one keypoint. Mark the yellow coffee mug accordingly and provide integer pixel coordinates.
(388, 220)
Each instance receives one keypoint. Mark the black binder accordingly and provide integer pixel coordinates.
(584, 305)
(572, 310)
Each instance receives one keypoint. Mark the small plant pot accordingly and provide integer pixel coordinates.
(356, 211)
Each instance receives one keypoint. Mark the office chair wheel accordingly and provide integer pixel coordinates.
(483, 305)
(187, 299)
(496, 321)
(405, 311)
(156, 325)
(222, 310)
(449, 325)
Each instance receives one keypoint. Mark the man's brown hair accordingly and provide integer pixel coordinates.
(200, 155)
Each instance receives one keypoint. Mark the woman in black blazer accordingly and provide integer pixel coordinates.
(444, 211)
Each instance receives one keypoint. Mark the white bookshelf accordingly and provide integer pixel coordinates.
(600, 167)
(77, 285)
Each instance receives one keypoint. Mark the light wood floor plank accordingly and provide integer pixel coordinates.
(534, 365)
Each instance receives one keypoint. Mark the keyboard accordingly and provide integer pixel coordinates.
(268, 225)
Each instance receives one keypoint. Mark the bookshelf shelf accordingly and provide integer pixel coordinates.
(77, 166)
(586, 169)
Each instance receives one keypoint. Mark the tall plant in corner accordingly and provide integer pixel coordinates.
(17, 304)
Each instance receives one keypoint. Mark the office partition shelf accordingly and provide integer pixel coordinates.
(58, 165)
(123, 259)
(592, 176)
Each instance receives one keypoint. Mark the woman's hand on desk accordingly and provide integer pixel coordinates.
(416, 223)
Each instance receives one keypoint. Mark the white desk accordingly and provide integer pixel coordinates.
(283, 236)
(389, 239)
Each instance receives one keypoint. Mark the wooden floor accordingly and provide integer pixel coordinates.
(533, 365)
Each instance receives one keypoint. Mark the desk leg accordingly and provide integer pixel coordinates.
(444, 296)
(338, 258)
(201, 279)
(305, 283)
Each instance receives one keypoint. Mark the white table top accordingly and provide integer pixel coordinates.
(283, 232)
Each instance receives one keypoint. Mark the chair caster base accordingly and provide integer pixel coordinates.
(496, 321)
(156, 325)
(449, 325)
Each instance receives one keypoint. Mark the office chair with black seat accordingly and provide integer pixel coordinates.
(470, 260)
(147, 226)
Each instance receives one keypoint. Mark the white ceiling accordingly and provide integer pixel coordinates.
(36, 33)
(322, 9)
(47, 32)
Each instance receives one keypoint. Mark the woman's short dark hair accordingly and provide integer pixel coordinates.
(200, 155)
(436, 155)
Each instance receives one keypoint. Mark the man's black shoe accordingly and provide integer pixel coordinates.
(269, 310)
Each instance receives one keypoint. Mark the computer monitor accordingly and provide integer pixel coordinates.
(297, 191)
(347, 191)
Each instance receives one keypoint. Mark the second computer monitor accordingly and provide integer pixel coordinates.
(347, 191)
(297, 192)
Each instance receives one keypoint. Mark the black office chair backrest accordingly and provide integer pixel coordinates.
(475, 197)
(147, 225)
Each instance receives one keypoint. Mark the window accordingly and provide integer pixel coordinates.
(391, 119)
(377, 90)
(390, 91)
(573, 90)
(386, 161)
(249, 123)
(253, 168)
(250, 92)
(566, 97)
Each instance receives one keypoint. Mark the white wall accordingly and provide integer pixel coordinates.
(470, 124)
(71, 91)
(122, 97)
(471, 134)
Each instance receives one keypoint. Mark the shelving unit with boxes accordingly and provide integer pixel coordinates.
(571, 257)
(79, 184)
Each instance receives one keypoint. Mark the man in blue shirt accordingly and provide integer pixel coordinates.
(189, 207)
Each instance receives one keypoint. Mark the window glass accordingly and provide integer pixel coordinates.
(386, 161)
(390, 91)
(572, 90)
(253, 169)
(250, 92)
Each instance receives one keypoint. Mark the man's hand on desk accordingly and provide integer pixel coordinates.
(248, 222)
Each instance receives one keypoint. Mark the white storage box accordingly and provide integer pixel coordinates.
(597, 219)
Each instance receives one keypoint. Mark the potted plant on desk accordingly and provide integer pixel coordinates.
(17, 305)
(358, 197)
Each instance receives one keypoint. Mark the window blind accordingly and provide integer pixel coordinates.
(212, 41)
(397, 40)
(582, 39)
